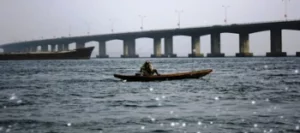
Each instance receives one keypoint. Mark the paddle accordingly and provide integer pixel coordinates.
(207, 80)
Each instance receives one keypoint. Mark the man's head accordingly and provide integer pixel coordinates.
(147, 63)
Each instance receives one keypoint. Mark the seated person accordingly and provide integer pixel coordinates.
(147, 69)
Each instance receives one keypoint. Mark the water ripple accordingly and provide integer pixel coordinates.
(74, 96)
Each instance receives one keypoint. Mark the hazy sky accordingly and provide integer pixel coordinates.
(33, 19)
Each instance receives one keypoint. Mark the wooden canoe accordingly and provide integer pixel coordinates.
(162, 77)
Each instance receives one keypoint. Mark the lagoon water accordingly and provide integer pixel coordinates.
(75, 96)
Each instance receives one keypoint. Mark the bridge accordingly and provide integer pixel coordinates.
(129, 50)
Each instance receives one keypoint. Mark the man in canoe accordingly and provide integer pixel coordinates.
(148, 70)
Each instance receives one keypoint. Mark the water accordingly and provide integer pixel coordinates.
(75, 96)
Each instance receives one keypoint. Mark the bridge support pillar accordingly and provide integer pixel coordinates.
(53, 48)
(66, 47)
(244, 46)
(44, 48)
(129, 49)
(276, 44)
(102, 50)
(298, 54)
(156, 48)
(169, 47)
(60, 47)
(215, 46)
(195, 49)
(80, 45)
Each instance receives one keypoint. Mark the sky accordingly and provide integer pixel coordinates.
(35, 19)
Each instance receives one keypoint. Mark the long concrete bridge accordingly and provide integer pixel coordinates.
(129, 50)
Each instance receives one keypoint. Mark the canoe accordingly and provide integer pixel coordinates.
(162, 77)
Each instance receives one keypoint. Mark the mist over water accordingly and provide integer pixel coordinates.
(74, 96)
